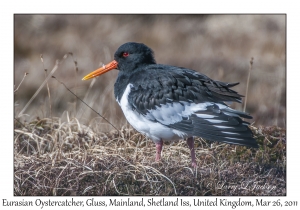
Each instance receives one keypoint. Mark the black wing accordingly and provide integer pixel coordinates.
(217, 124)
(161, 85)
(190, 102)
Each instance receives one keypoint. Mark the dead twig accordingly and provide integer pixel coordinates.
(21, 82)
(246, 96)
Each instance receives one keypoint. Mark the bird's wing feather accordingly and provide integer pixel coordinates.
(160, 85)
(217, 123)
(191, 103)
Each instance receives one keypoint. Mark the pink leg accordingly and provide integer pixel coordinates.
(159, 146)
(190, 142)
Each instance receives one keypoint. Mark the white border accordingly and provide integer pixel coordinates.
(54, 6)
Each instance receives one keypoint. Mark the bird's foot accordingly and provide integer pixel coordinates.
(190, 142)
(157, 158)
(159, 146)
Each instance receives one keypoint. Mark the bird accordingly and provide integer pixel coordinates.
(168, 103)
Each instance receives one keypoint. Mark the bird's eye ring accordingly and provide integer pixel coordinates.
(125, 54)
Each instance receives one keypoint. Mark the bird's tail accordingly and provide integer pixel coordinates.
(224, 125)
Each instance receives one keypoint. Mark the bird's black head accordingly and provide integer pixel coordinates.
(128, 57)
(132, 55)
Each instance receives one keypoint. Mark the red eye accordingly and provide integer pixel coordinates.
(125, 54)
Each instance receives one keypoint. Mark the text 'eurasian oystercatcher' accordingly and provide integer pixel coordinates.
(168, 103)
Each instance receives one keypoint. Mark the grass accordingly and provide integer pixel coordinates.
(72, 159)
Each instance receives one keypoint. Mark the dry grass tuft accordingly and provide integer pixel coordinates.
(68, 158)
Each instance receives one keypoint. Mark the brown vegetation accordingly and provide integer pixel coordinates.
(53, 157)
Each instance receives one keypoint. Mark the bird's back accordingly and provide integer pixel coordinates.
(189, 102)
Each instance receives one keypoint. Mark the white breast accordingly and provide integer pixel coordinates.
(153, 130)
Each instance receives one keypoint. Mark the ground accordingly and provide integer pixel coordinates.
(66, 158)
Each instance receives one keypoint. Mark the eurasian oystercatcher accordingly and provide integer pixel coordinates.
(168, 103)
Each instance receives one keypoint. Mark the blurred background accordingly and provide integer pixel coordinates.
(219, 46)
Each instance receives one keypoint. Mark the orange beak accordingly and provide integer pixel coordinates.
(110, 66)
